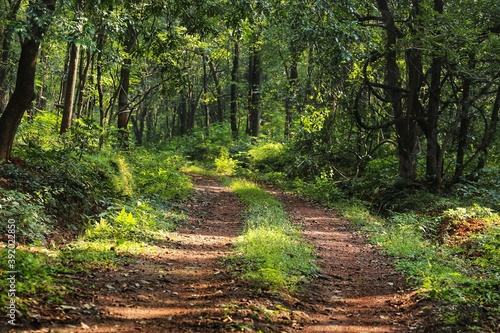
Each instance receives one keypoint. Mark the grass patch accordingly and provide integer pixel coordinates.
(273, 254)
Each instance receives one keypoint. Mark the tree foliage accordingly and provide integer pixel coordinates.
(343, 82)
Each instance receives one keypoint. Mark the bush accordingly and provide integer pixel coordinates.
(28, 211)
(322, 190)
(158, 174)
(267, 157)
(224, 164)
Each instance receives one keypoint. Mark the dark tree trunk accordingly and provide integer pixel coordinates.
(6, 33)
(183, 116)
(123, 106)
(218, 89)
(291, 98)
(254, 82)
(205, 91)
(24, 92)
(41, 100)
(463, 130)
(234, 90)
(100, 92)
(139, 122)
(434, 155)
(490, 132)
(69, 91)
(406, 134)
(82, 81)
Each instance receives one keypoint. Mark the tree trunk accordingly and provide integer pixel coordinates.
(6, 33)
(205, 92)
(100, 92)
(82, 81)
(254, 82)
(69, 91)
(464, 129)
(406, 133)
(490, 132)
(138, 123)
(218, 89)
(123, 106)
(291, 98)
(183, 116)
(24, 92)
(434, 154)
(234, 90)
(41, 100)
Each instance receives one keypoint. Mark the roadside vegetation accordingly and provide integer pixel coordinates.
(77, 211)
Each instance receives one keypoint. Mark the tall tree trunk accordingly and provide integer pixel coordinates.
(100, 91)
(254, 83)
(69, 91)
(218, 89)
(24, 92)
(82, 81)
(138, 123)
(123, 106)
(183, 116)
(205, 91)
(41, 100)
(434, 155)
(490, 132)
(291, 98)
(234, 90)
(6, 33)
(405, 121)
(464, 128)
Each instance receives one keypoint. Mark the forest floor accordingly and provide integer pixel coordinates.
(186, 285)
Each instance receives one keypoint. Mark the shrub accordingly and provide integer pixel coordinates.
(224, 164)
(267, 157)
(28, 211)
(322, 190)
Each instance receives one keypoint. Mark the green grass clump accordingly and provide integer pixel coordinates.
(36, 272)
(274, 255)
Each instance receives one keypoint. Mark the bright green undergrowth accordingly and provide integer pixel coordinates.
(121, 203)
(273, 253)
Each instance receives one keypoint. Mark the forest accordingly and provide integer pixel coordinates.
(384, 112)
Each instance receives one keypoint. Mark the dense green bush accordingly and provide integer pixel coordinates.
(28, 213)
(157, 173)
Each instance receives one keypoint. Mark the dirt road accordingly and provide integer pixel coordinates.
(185, 285)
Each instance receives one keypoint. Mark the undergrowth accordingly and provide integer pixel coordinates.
(77, 209)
